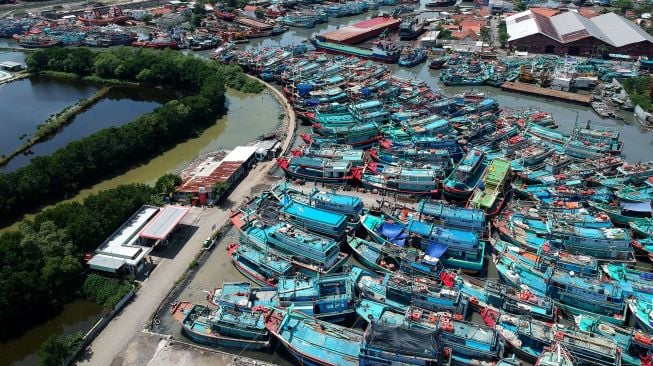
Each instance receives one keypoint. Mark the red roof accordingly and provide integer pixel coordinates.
(220, 174)
(545, 11)
(250, 8)
(468, 33)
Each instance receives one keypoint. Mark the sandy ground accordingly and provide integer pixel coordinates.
(151, 349)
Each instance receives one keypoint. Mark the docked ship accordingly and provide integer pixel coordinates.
(411, 28)
(381, 51)
(94, 17)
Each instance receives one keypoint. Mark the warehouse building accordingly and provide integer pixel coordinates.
(569, 33)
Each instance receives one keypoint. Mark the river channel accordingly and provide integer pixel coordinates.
(250, 116)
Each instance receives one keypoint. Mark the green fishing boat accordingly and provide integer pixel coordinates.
(487, 194)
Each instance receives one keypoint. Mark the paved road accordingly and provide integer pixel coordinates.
(131, 320)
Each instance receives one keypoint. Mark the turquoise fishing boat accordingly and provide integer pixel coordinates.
(625, 213)
(469, 219)
(634, 344)
(262, 267)
(222, 327)
(555, 355)
(644, 246)
(440, 158)
(460, 184)
(316, 169)
(321, 221)
(469, 342)
(328, 297)
(400, 180)
(491, 294)
(576, 295)
(350, 206)
(312, 341)
(464, 249)
(400, 291)
(308, 252)
(642, 227)
(387, 258)
(589, 351)
(392, 345)
(526, 336)
(634, 194)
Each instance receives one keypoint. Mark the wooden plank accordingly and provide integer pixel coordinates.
(537, 90)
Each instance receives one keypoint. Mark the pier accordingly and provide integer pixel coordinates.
(546, 92)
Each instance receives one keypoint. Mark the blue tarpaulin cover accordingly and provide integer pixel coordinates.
(435, 249)
(637, 206)
(390, 230)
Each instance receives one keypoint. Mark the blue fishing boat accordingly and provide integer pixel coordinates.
(413, 58)
(642, 227)
(400, 291)
(440, 158)
(387, 258)
(635, 194)
(321, 221)
(634, 344)
(582, 265)
(576, 295)
(310, 253)
(624, 213)
(396, 179)
(312, 341)
(392, 345)
(316, 169)
(491, 294)
(350, 206)
(469, 219)
(262, 267)
(222, 327)
(555, 355)
(328, 297)
(464, 249)
(469, 342)
(460, 184)
(589, 351)
(526, 336)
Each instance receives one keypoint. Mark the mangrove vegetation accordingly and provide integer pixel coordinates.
(108, 152)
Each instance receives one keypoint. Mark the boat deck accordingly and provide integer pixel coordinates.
(545, 92)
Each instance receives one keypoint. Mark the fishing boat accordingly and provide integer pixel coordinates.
(395, 179)
(411, 157)
(411, 28)
(635, 194)
(329, 297)
(386, 344)
(413, 58)
(38, 41)
(348, 205)
(310, 253)
(526, 336)
(644, 246)
(387, 258)
(633, 281)
(222, 327)
(262, 267)
(470, 343)
(331, 224)
(312, 341)
(586, 350)
(382, 52)
(642, 227)
(634, 344)
(555, 355)
(490, 193)
(574, 294)
(400, 291)
(625, 212)
(316, 169)
(511, 361)
(491, 294)
(469, 219)
(464, 249)
(460, 184)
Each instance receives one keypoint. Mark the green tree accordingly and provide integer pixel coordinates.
(518, 5)
(503, 34)
(55, 349)
(486, 36)
(166, 184)
(260, 13)
(623, 5)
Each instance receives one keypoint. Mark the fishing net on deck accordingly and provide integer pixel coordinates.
(407, 341)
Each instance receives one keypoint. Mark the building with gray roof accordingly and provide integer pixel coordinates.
(569, 33)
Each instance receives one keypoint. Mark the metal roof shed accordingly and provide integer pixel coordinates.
(164, 222)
